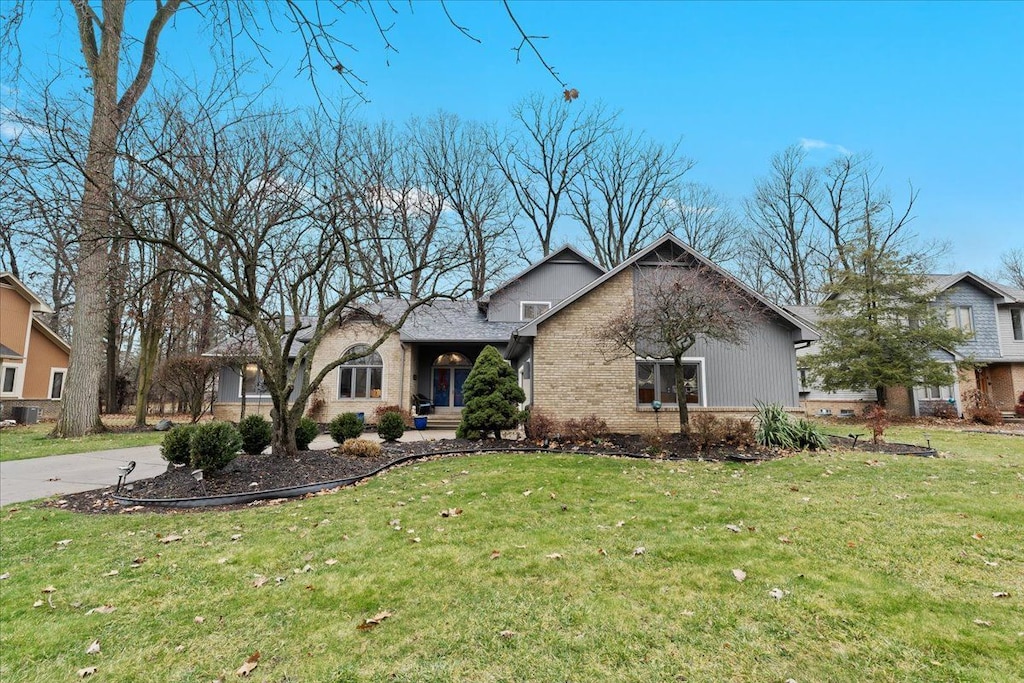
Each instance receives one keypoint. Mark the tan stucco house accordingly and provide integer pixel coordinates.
(33, 358)
(546, 321)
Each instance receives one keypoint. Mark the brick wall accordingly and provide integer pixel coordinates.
(48, 410)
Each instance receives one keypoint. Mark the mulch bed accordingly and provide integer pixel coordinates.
(251, 473)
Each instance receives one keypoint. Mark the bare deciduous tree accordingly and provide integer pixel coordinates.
(703, 218)
(675, 304)
(1011, 267)
(621, 192)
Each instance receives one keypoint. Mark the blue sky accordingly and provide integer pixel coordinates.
(935, 91)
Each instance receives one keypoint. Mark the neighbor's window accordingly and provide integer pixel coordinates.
(960, 316)
(57, 384)
(252, 381)
(9, 375)
(528, 310)
(657, 379)
(932, 392)
(362, 377)
(1017, 320)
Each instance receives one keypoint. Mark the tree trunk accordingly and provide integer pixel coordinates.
(684, 411)
(282, 443)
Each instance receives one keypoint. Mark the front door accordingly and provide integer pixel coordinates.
(448, 383)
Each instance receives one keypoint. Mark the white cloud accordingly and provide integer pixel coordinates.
(12, 130)
(812, 144)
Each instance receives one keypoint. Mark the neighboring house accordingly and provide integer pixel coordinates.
(546, 322)
(33, 358)
(992, 313)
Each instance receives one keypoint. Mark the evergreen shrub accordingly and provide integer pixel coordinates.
(256, 432)
(177, 444)
(214, 445)
(344, 427)
(391, 426)
(305, 432)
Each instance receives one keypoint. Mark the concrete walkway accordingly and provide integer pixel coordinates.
(22, 480)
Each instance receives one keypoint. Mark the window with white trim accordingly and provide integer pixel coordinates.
(252, 383)
(57, 383)
(960, 317)
(9, 379)
(528, 310)
(362, 377)
(656, 379)
(1017, 322)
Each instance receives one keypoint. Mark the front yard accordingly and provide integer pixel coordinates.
(557, 568)
(33, 441)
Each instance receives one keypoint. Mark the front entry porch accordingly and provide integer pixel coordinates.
(439, 372)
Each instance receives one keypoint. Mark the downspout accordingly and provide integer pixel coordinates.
(401, 378)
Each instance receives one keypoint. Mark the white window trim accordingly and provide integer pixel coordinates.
(1020, 316)
(63, 383)
(19, 380)
(524, 304)
(343, 368)
(699, 360)
(241, 383)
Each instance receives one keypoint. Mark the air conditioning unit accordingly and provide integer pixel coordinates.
(26, 415)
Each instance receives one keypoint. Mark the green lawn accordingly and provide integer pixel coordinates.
(33, 441)
(885, 566)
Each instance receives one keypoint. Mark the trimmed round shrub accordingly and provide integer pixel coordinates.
(256, 433)
(305, 431)
(391, 426)
(361, 448)
(177, 445)
(214, 445)
(344, 427)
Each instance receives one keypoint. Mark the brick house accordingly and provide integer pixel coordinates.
(33, 358)
(994, 316)
(544, 321)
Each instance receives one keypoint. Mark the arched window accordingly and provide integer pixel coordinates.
(361, 377)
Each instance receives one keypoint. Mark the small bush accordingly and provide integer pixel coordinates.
(1019, 408)
(736, 432)
(177, 445)
(705, 430)
(344, 427)
(539, 425)
(361, 448)
(810, 436)
(654, 443)
(391, 426)
(878, 420)
(589, 428)
(987, 415)
(774, 428)
(945, 411)
(305, 431)
(381, 411)
(214, 445)
(256, 432)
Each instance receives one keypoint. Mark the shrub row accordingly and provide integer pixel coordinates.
(206, 447)
(540, 426)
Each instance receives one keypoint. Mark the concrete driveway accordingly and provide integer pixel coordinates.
(22, 480)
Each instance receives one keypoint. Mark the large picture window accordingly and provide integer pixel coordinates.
(656, 379)
(361, 377)
(252, 381)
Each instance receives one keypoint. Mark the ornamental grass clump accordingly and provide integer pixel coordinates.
(361, 448)
(305, 432)
(775, 429)
(214, 445)
(177, 444)
(256, 433)
(344, 427)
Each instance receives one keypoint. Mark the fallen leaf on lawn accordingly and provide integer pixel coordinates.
(451, 512)
(137, 562)
(38, 603)
(374, 620)
(733, 528)
(1000, 594)
(171, 538)
(260, 581)
(740, 575)
(251, 663)
(620, 523)
(507, 634)
(235, 537)
(639, 551)
(5, 575)
(180, 648)
(87, 671)
(977, 537)
(199, 620)
(64, 543)
(495, 554)
(982, 622)
(49, 589)
(527, 492)
(777, 593)
(94, 648)
(601, 551)
(330, 562)
(102, 609)
(991, 564)
(554, 556)
(784, 539)
(112, 572)
(414, 540)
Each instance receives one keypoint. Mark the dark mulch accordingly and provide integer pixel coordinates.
(865, 444)
(250, 473)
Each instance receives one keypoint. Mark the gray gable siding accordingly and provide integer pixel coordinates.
(1012, 349)
(762, 368)
(551, 281)
(985, 343)
(229, 382)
